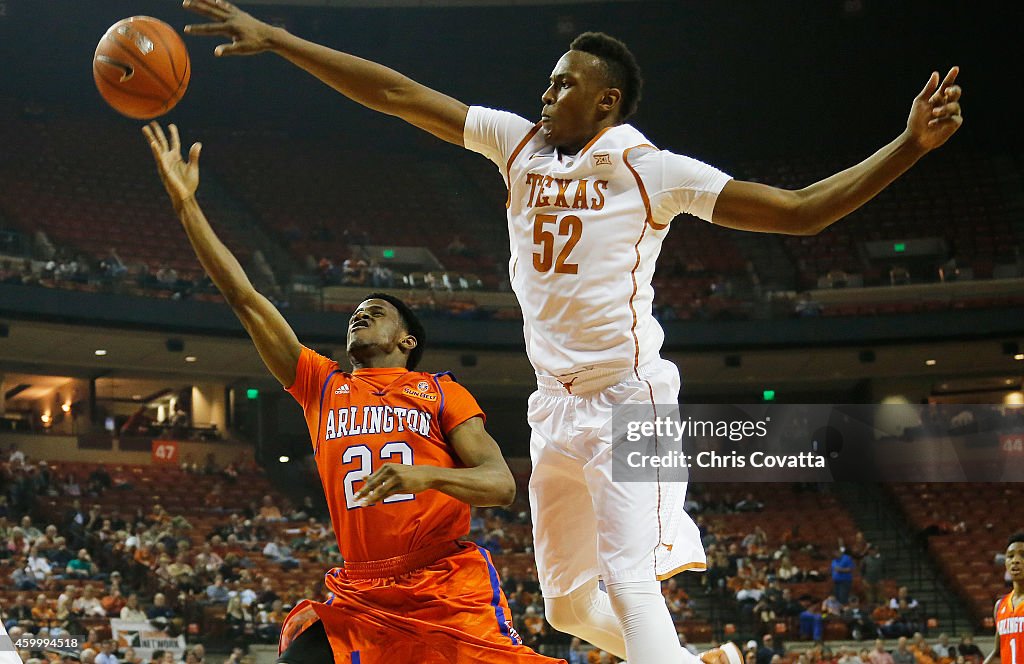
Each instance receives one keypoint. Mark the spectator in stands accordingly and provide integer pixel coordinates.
(923, 653)
(768, 650)
(280, 553)
(944, 649)
(81, 566)
(968, 649)
(381, 276)
(113, 267)
(898, 275)
(106, 654)
(239, 618)
(842, 575)
(902, 654)
(113, 601)
(130, 657)
(160, 613)
(29, 530)
(850, 657)
(749, 504)
(19, 612)
(39, 567)
(217, 592)
(43, 613)
(576, 653)
(270, 621)
(858, 620)
(131, 611)
(181, 573)
(167, 276)
(880, 655)
(88, 605)
(871, 570)
(269, 511)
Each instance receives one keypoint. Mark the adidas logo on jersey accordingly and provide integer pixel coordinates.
(344, 389)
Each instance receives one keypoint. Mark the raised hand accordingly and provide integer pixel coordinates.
(248, 35)
(936, 114)
(181, 179)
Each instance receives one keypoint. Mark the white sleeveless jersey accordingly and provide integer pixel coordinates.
(585, 232)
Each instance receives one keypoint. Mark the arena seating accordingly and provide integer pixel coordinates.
(966, 526)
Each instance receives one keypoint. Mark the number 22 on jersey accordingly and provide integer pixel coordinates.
(363, 457)
(570, 227)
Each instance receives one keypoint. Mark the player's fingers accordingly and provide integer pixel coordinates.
(952, 93)
(175, 144)
(950, 77)
(946, 110)
(930, 86)
(193, 155)
(206, 8)
(160, 137)
(950, 120)
(234, 48)
(208, 29)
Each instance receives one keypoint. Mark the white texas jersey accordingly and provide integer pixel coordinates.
(585, 232)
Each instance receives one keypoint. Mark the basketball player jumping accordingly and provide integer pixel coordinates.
(402, 455)
(590, 201)
(1009, 611)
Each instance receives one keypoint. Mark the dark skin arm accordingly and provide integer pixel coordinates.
(274, 338)
(935, 115)
(485, 481)
(375, 86)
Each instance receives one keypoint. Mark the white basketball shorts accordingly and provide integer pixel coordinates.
(584, 524)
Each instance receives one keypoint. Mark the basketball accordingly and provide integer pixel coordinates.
(141, 67)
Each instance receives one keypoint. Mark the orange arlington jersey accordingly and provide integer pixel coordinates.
(357, 422)
(1010, 628)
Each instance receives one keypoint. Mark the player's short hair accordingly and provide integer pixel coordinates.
(412, 325)
(622, 70)
(1014, 539)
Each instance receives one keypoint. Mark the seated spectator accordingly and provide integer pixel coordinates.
(902, 654)
(131, 611)
(968, 649)
(857, 619)
(268, 628)
(239, 619)
(768, 650)
(923, 653)
(280, 553)
(113, 601)
(850, 657)
(749, 504)
(269, 511)
(879, 655)
(944, 649)
(88, 605)
(106, 654)
(81, 566)
(160, 613)
(39, 567)
(217, 592)
(43, 613)
(18, 612)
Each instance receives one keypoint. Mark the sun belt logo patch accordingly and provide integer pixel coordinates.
(422, 391)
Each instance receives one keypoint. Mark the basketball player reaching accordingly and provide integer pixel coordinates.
(402, 455)
(1009, 611)
(590, 201)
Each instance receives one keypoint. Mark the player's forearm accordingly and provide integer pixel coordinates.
(482, 486)
(224, 269)
(368, 83)
(831, 199)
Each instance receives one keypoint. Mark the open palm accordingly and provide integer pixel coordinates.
(180, 178)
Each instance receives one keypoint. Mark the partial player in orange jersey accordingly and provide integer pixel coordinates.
(1009, 611)
(402, 455)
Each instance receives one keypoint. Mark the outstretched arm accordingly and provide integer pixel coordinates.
(485, 481)
(934, 117)
(274, 338)
(368, 83)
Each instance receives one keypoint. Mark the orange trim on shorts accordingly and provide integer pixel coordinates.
(390, 567)
(640, 184)
(688, 567)
(515, 153)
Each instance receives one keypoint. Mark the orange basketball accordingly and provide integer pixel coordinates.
(141, 67)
